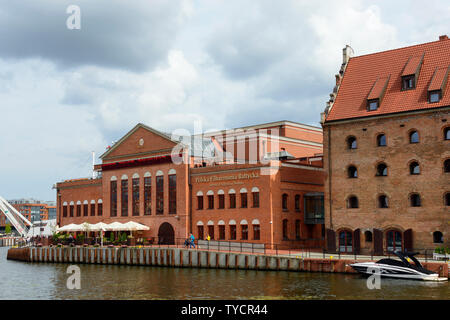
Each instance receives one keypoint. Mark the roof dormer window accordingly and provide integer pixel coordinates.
(372, 105)
(437, 85)
(376, 94)
(411, 72)
(434, 96)
(408, 82)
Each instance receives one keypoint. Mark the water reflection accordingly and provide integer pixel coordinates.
(48, 281)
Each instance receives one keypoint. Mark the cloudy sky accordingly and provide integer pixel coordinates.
(65, 93)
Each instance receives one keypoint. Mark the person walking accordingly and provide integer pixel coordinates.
(208, 237)
(192, 243)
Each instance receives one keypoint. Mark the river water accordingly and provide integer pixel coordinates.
(21, 280)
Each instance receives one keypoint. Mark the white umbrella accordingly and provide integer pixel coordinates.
(134, 226)
(99, 227)
(71, 227)
(116, 226)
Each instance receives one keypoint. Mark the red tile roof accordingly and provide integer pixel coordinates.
(363, 71)
(378, 88)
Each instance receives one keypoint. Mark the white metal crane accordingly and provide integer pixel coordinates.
(15, 217)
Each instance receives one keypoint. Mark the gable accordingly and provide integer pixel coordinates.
(140, 141)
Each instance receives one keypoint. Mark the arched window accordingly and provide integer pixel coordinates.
(232, 225)
(284, 202)
(351, 143)
(232, 195)
(368, 236)
(210, 195)
(382, 170)
(393, 240)
(211, 229)
(255, 195)
(381, 140)
(244, 200)
(200, 232)
(447, 165)
(414, 137)
(297, 202)
(415, 200)
(447, 133)
(383, 201)
(285, 229)
(352, 172)
(199, 200)
(447, 199)
(352, 202)
(244, 230)
(65, 209)
(414, 168)
(438, 237)
(221, 224)
(345, 241)
(221, 195)
(256, 229)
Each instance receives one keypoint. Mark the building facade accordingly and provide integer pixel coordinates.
(387, 151)
(261, 184)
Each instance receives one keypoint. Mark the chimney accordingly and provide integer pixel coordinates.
(443, 37)
(347, 53)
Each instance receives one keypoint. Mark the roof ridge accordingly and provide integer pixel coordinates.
(400, 48)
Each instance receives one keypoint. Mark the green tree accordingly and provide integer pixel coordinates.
(7, 228)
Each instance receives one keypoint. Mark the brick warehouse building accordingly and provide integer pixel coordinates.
(387, 150)
(261, 184)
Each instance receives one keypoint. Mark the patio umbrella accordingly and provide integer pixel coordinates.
(71, 227)
(116, 226)
(134, 226)
(99, 227)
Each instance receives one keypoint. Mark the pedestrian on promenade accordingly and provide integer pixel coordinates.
(192, 242)
(208, 237)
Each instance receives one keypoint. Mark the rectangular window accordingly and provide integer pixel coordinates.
(232, 201)
(100, 209)
(199, 202)
(113, 191)
(200, 232)
(172, 194)
(71, 211)
(372, 105)
(64, 211)
(221, 201)
(211, 232)
(221, 232)
(256, 232)
(159, 194)
(147, 196)
(297, 229)
(243, 200)
(434, 96)
(135, 187)
(233, 232)
(124, 190)
(408, 82)
(78, 210)
(211, 202)
(85, 210)
(92, 209)
(255, 199)
(244, 230)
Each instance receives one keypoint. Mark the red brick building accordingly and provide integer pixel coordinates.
(387, 150)
(261, 184)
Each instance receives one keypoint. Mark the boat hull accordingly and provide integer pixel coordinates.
(389, 271)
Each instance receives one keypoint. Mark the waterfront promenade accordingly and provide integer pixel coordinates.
(194, 258)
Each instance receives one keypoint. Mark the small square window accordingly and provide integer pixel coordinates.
(408, 82)
(434, 96)
(372, 105)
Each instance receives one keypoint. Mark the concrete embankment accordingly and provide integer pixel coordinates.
(177, 257)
